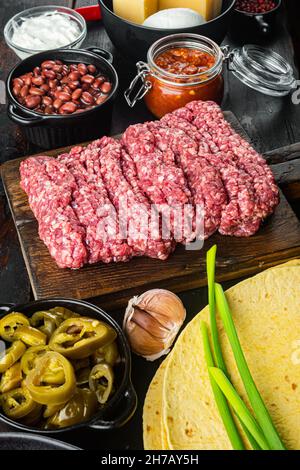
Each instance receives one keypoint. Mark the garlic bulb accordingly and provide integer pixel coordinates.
(152, 321)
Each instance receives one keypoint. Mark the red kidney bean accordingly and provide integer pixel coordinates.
(74, 85)
(32, 101)
(101, 99)
(36, 91)
(27, 80)
(16, 89)
(55, 87)
(82, 69)
(98, 82)
(74, 76)
(36, 71)
(57, 104)
(68, 108)
(48, 73)
(106, 87)
(47, 101)
(57, 68)
(18, 81)
(38, 80)
(24, 91)
(45, 87)
(48, 110)
(67, 89)
(87, 98)
(63, 96)
(65, 70)
(76, 94)
(92, 69)
(87, 79)
(48, 64)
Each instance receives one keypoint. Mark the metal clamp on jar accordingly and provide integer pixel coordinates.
(164, 91)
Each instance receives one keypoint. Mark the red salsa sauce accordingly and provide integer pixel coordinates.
(170, 92)
(185, 61)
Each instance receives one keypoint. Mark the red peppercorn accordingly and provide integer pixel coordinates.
(255, 6)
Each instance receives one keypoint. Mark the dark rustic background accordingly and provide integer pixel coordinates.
(270, 122)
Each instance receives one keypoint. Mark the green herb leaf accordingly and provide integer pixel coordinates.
(221, 402)
(210, 268)
(239, 406)
(258, 406)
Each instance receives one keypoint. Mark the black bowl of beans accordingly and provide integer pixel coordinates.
(255, 21)
(63, 97)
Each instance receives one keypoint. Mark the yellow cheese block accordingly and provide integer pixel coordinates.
(209, 9)
(135, 10)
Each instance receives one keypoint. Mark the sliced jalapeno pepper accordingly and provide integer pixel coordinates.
(108, 354)
(101, 382)
(17, 403)
(11, 355)
(61, 314)
(81, 407)
(10, 324)
(78, 338)
(11, 378)
(34, 417)
(51, 393)
(44, 321)
(31, 355)
(50, 410)
(31, 336)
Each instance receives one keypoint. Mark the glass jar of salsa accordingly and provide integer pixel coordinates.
(185, 67)
(181, 68)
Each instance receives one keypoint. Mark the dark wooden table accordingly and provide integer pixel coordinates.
(270, 122)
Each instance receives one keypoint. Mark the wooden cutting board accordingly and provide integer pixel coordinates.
(112, 285)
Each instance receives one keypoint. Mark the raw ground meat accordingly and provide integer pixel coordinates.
(50, 201)
(144, 242)
(161, 179)
(190, 159)
(202, 178)
(94, 209)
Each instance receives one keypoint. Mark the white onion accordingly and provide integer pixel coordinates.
(46, 31)
(174, 18)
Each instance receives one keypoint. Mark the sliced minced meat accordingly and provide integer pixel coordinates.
(203, 179)
(94, 208)
(130, 202)
(162, 181)
(49, 187)
(220, 136)
(238, 217)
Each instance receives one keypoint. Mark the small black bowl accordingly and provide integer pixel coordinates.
(133, 40)
(255, 28)
(22, 441)
(121, 407)
(52, 131)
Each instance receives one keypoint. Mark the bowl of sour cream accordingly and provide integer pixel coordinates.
(42, 28)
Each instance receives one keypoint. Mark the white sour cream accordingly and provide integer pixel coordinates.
(46, 31)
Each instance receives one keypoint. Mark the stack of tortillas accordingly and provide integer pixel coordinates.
(180, 410)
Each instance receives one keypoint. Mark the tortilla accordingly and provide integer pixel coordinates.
(265, 309)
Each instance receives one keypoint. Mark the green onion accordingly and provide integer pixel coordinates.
(217, 350)
(210, 268)
(224, 410)
(258, 406)
(239, 406)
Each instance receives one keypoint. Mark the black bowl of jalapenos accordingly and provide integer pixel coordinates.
(64, 364)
